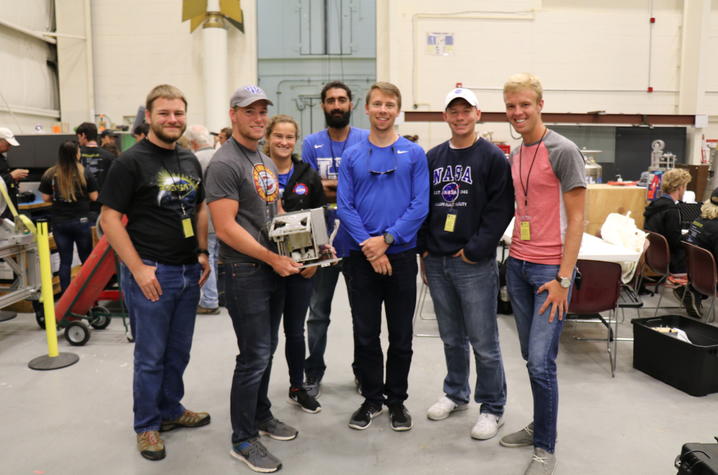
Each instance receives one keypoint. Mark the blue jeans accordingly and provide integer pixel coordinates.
(539, 342)
(67, 234)
(320, 307)
(254, 295)
(163, 338)
(464, 298)
(298, 290)
(209, 297)
(397, 292)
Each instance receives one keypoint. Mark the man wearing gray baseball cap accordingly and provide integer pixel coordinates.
(242, 190)
(11, 178)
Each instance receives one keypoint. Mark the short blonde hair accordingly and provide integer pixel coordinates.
(674, 179)
(165, 91)
(279, 119)
(521, 81)
(386, 88)
(709, 210)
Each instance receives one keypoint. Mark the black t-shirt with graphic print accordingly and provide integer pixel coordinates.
(154, 186)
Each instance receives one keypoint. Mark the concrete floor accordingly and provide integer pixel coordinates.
(78, 420)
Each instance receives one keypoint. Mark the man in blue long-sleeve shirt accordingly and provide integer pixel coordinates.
(472, 202)
(382, 201)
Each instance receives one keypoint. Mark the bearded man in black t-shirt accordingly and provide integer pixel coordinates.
(158, 186)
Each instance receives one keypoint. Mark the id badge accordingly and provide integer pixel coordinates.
(187, 228)
(450, 222)
(525, 228)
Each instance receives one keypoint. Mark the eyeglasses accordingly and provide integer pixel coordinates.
(385, 172)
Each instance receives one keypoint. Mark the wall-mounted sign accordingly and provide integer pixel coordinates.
(440, 44)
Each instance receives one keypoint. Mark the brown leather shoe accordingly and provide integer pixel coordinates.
(188, 419)
(151, 445)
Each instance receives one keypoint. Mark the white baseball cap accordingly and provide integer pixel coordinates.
(6, 134)
(461, 93)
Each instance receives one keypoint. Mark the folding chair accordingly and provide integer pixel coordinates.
(598, 291)
(419, 311)
(658, 258)
(702, 273)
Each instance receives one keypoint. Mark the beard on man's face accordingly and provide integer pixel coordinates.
(160, 133)
(337, 119)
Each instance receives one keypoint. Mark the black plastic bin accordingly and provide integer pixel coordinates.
(690, 367)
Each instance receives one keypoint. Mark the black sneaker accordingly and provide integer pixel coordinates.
(694, 308)
(400, 418)
(361, 419)
(301, 398)
(311, 384)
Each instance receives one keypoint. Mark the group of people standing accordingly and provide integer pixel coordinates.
(449, 206)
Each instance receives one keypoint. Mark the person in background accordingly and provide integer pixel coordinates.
(163, 250)
(383, 199)
(97, 160)
(10, 177)
(703, 232)
(323, 150)
(108, 141)
(199, 142)
(471, 203)
(300, 188)
(141, 131)
(223, 136)
(548, 172)
(70, 187)
(662, 216)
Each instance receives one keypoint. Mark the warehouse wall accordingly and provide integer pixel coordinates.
(139, 44)
(589, 55)
(28, 74)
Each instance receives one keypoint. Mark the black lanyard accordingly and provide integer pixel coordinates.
(528, 176)
(331, 148)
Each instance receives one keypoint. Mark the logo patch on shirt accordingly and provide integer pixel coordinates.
(300, 189)
(265, 182)
(450, 192)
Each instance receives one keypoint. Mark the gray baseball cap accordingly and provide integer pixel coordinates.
(247, 95)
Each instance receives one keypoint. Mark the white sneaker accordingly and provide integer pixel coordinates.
(486, 426)
(442, 408)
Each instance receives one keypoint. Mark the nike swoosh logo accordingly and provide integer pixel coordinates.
(319, 146)
(399, 152)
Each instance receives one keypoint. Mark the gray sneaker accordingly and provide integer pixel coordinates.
(277, 429)
(542, 463)
(311, 384)
(256, 456)
(522, 438)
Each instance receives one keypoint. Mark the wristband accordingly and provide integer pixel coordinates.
(203, 251)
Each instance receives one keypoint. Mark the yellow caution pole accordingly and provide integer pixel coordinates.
(53, 360)
(48, 298)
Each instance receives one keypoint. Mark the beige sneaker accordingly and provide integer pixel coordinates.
(151, 445)
(188, 419)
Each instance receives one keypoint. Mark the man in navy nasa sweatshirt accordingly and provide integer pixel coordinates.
(471, 203)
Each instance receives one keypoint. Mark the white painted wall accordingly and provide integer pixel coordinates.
(27, 85)
(139, 44)
(589, 55)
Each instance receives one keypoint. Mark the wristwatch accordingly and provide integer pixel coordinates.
(388, 239)
(203, 251)
(564, 281)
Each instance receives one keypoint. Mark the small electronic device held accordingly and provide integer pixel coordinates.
(302, 235)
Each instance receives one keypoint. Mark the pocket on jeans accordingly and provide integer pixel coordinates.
(241, 270)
